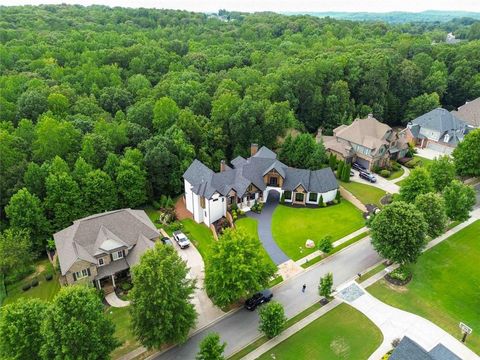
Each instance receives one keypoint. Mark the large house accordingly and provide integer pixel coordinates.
(208, 195)
(439, 130)
(408, 349)
(469, 113)
(99, 248)
(368, 142)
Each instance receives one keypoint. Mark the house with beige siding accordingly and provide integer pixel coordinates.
(368, 142)
(209, 195)
(98, 249)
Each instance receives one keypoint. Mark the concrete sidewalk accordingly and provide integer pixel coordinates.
(114, 301)
(395, 324)
(406, 173)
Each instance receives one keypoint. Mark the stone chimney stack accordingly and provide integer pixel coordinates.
(370, 115)
(222, 165)
(253, 149)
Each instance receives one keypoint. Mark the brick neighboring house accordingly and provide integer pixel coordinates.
(99, 248)
(366, 141)
(469, 113)
(438, 130)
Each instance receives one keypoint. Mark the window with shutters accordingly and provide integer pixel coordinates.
(101, 262)
(81, 274)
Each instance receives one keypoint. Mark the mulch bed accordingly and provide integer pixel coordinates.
(398, 282)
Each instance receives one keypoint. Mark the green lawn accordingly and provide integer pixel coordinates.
(250, 226)
(425, 162)
(46, 290)
(396, 174)
(342, 333)
(123, 332)
(445, 285)
(291, 227)
(365, 193)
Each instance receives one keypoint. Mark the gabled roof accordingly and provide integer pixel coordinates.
(368, 132)
(443, 122)
(408, 349)
(94, 235)
(319, 181)
(469, 113)
(265, 152)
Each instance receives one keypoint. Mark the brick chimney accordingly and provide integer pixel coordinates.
(222, 165)
(253, 149)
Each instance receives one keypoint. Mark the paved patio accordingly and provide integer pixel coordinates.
(114, 301)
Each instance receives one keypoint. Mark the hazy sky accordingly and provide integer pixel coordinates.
(276, 5)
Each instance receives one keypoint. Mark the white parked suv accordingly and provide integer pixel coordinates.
(181, 239)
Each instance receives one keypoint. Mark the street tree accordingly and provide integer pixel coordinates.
(76, 326)
(272, 319)
(236, 268)
(432, 207)
(398, 232)
(467, 155)
(161, 308)
(211, 348)
(459, 200)
(419, 182)
(20, 329)
(325, 286)
(442, 172)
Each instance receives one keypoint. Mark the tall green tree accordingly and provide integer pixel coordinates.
(32, 103)
(99, 192)
(236, 268)
(211, 348)
(34, 179)
(131, 184)
(467, 155)
(442, 172)
(459, 200)
(76, 326)
(432, 207)
(272, 319)
(25, 211)
(20, 329)
(325, 286)
(303, 152)
(15, 251)
(398, 232)
(165, 113)
(94, 150)
(420, 105)
(419, 182)
(158, 316)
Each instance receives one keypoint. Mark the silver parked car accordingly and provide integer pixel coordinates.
(181, 239)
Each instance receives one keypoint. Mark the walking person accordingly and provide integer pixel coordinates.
(304, 287)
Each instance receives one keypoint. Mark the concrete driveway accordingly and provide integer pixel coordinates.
(265, 228)
(395, 323)
(381, 183)
(207, 311)
(430, 153)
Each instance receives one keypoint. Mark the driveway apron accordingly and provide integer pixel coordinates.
(265, 228)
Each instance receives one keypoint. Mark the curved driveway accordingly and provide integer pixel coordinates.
(265, 228)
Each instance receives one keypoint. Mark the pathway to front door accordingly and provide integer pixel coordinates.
(265, 228)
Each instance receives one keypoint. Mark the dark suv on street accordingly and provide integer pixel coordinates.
(257, 299)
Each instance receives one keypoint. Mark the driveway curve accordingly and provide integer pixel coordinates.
(265, 228)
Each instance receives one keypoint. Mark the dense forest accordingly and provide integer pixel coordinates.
(106, 107)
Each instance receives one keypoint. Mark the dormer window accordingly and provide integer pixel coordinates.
(117, 255)
(446, 138)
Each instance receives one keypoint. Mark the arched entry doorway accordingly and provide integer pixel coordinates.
(273, 195)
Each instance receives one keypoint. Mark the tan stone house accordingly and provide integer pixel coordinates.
(366, 141)
(469, 113)
(99, 248)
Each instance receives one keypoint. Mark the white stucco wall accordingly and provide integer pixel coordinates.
(329, 196)
(188, 196)
(216, 207)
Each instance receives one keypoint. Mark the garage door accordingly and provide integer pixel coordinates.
(363, 162)
(439, 148)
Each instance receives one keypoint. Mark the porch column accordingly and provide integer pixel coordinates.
(113, 280)
(98, 284)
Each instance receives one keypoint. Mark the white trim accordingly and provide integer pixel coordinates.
(117, 255)
(101, 262)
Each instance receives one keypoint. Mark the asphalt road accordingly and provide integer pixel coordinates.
(240, 328)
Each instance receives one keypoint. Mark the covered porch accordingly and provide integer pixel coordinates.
(109, 275)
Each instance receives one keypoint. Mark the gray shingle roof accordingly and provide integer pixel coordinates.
(408, 349)
(83, 239)
(444, 122)
(251, 171)
(470, 112)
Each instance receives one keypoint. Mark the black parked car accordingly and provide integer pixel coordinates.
(367, 176)
(167, 241)
(358, 167)
(259, 298)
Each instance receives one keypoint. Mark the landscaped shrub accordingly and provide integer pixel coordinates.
(400, 276)
(338, 197)
(156, 205)
(385, 173)
(26, 287)
(234, 206)
(413, 163)
(34, 282)
(48, 276)
(376, 169)
(126, 286)
(325, 245)
(167, 216)
(176, 225)
(282, 199)
(320, 202)
(395, 165)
